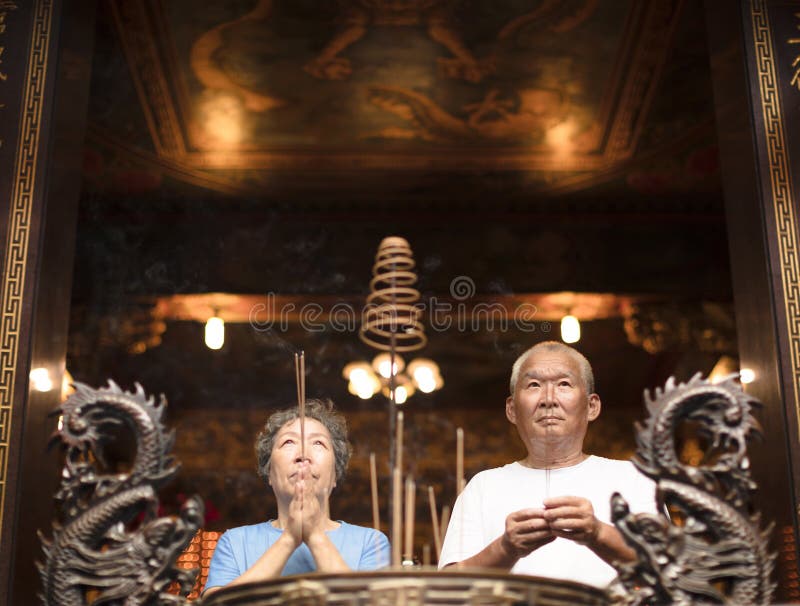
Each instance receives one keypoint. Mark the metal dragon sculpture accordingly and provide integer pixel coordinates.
(718, 554)
(110, 547)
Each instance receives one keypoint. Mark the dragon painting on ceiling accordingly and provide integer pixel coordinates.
(542, 85)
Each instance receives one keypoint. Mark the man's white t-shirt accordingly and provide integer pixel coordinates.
(480, 513)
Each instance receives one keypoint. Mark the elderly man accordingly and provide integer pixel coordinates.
(548, 514)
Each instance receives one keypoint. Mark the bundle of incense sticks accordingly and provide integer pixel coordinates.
(300, 378)
(403, 507)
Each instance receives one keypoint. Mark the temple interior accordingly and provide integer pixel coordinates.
(243, 160)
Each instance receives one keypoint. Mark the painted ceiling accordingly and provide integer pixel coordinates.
(560, 97)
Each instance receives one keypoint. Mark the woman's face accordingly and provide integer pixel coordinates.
(287, 459)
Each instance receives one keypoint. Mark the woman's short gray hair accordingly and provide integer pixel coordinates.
(320, 410)
(586, 369)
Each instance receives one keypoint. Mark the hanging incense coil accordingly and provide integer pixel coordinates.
(391, 319)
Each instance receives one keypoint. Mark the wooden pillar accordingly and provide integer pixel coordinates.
(45, 65)
(757, 104)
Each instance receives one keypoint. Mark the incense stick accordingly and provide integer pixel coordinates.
(373, 476)
(396, 512)
(398, 460)
(397, 487)
(459, 461)
(437, 537)
(411, 489)
(445, 521)
(547, 461)
(547, 482)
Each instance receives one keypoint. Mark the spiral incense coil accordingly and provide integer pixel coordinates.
(391, 320)
(385, 323)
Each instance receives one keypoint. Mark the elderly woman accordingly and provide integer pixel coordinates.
(303, 538)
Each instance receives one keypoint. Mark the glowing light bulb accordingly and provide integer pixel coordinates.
(747, 375)
(359, 375)
(384, 367)
(362, 382)
(570, 329)
(425, 374)
(363, 389)
(40, 379)
(215, 333)
(400, 394)
(425, 379)
(382, 363)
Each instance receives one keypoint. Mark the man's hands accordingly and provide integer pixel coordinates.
(526, 530)
(567, 517)
(572, 518)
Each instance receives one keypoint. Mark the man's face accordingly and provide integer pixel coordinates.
(550, 402)
(286, 459)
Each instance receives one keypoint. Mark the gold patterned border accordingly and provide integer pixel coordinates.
(141, 51)
(14, 296)
(780, 179)
(637, 95)
(795, 81)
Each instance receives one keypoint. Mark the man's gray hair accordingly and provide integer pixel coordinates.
(320, 410)
(586, 369)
